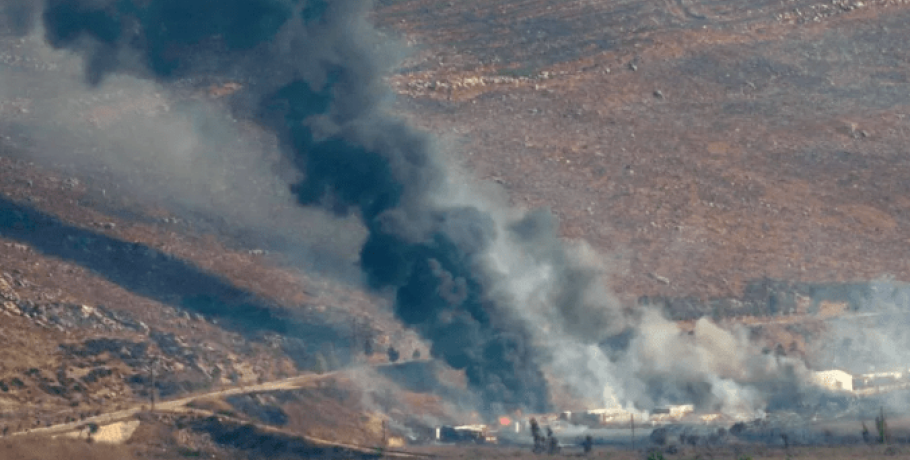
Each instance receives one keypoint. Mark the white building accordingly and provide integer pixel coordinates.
(835, 379)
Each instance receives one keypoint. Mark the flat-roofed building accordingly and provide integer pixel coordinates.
(834, 379)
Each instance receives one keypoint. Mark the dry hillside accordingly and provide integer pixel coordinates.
(699, 144)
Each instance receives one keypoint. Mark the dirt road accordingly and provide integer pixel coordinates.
(175, 405)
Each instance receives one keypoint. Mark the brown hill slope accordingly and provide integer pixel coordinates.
(701, 144)
(94, 304)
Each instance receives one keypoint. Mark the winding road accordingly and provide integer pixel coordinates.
(180, 405)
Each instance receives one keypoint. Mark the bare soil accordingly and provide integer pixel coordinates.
(698, 144)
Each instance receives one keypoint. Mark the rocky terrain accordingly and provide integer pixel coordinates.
(98, 311)
(728, 159)
(700, 145)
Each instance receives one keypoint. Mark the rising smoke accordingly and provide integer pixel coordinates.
(874, 337)
(313, 73)
(494, 289)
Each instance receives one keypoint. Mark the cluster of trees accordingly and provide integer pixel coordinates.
(327, 360)
(764, 297)
(769, 303)
(362, 334)
(547, 443)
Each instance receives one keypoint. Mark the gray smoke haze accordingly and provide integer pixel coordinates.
(306, 150)
(619, 357)
(160, 147)
(874, 336)
(312, 92)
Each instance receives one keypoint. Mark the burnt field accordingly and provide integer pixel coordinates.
(703, 145)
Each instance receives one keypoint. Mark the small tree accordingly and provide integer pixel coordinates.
(393, 354)
(779, 350)
(416, 354)
(92, 429)
(588, 444)
(552, 443)
(884, 435)
(539, 440)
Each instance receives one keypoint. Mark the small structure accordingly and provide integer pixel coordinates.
(586, 418)
(878, 379)
(395, 441)
(610, 415)
(671, 413)
(464, 433)
(881, 382)
(835, 380)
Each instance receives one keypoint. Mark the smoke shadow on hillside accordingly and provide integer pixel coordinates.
(257, 442)
(153, 274)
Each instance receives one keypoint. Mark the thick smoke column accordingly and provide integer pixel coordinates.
(313, 73)
(495, 290)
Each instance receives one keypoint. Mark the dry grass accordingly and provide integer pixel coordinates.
(62, 449)
(723, 192)
(214, 405)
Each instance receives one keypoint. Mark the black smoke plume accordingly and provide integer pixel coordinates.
(312, 71)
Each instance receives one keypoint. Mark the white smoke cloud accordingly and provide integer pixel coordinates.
(721, 370)
(663, 364)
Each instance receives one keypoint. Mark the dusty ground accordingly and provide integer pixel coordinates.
(93, 301)
(698, 144)
(27, 449)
